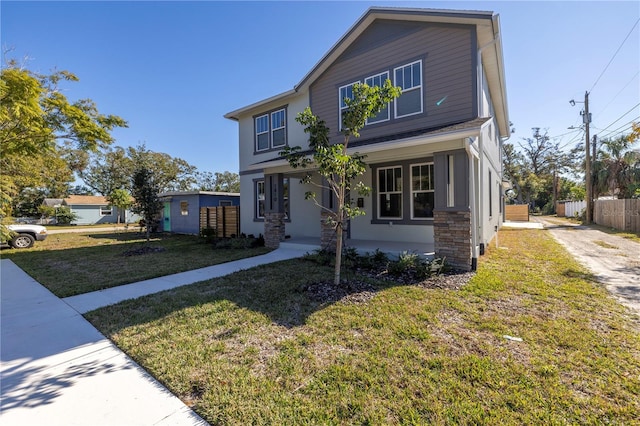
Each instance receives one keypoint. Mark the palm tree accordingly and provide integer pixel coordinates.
(617, 168)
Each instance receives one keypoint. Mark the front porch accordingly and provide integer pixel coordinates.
(393, 249)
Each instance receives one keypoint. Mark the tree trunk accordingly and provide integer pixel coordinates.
(336, 274)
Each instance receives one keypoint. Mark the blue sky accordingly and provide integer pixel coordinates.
(173, 69)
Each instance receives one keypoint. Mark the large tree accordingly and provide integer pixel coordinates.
(219, 182)
(38, 122)
(333, 162)
(112, 169)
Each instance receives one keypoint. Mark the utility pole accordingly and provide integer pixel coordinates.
(586, 119)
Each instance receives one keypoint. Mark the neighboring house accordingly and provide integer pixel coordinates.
(181, 213)
(434, 154)
(95, 209)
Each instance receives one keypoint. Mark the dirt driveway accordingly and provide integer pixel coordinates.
(615, 261)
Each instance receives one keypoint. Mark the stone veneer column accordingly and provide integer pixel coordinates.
(452, 237)
(273, 229)
(327, 232)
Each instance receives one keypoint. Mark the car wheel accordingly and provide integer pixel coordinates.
(22, 241)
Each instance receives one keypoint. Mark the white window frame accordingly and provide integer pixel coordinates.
(258, 199)
(414, 191)
(184, 208)
(270, 129)
(387, 192)
(274, 129)
(370, 81)
(260, 132)
(410, 89)
(106, 210)
(341, 105)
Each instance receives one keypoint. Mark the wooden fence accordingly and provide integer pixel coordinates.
(619, 214)
(224, 219)
(517, 212)
(570, 208)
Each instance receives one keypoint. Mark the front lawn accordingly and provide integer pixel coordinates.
(257, 347)
(72, 263)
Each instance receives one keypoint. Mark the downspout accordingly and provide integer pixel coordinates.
(472, 205)
(481, 113)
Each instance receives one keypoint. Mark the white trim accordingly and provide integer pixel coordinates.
(283, 127)
(259, 133)
(381, 85)
(411, 89)
(412, 191)
(379, 192)
(340, 98)
(257, 198)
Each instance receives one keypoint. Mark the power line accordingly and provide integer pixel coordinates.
(617, 94)
(628, 124)
(614, 55)
(620, 118)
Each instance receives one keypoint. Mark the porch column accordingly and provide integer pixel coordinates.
(452, 237)
(274, 225)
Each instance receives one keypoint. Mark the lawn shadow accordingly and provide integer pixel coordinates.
(287, 292)
(574, 273)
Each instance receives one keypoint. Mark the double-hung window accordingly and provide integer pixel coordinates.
(277, 128)
(271, 130)
(390, 193)
(378, 81)
(409, 78)
(422, 191)
(262, 132)
(345, 92)
(260, 199)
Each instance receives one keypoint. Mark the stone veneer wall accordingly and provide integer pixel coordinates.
(274, 229)
(452, 237)
(327, 233)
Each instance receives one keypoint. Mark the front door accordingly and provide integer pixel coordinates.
(166, 225)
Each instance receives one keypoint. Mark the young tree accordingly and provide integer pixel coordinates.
(333, 162)
(145, 192)
(121, 200)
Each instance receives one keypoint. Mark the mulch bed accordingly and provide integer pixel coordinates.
(357, 290)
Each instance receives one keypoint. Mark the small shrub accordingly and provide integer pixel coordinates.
(209, 234)
(64, 216)
(321, 257)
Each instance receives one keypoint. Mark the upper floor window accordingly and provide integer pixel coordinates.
(345, 92)
(378, 81)
(409, 79)
(271, 130)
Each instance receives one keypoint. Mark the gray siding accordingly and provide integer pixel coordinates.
(448, 70)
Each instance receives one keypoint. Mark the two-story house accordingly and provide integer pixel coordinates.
(434, 154)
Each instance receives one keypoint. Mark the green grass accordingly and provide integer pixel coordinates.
(72, 263)
(254, 348)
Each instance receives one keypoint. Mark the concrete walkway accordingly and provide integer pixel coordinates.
(57, 369)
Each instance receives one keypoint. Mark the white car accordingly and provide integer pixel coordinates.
(25, 235)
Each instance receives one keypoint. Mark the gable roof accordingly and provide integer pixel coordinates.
(88, 200)
(489, 44)
(52, 202)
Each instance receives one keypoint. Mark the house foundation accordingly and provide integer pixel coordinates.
(452, 237)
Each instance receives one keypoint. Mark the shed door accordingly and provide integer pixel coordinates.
(166, 226)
